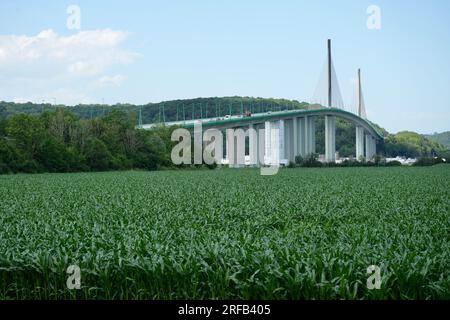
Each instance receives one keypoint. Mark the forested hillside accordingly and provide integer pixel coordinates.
(47, 138)
(58, 141)
(442, 138)
(412, 144)
(163, 111)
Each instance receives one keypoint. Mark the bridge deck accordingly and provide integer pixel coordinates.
(237, 120)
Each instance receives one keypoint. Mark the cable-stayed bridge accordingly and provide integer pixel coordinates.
(277, 137)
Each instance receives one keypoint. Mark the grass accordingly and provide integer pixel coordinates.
(301, 234)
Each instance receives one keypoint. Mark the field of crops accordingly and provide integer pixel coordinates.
(301, 234)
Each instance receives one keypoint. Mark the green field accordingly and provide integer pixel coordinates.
(301, 234)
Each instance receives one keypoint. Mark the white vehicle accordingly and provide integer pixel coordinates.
(227, 116)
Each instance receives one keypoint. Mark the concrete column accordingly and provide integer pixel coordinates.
(330, 139)
(236, 147)
(302, 150)
(261, 143)
(308, 142)
(310, 136)
(253, 145)
(231, 154)
(295, 137)
(267, 143)
(374, 146)
(359, 142)
(282, 142)
(288, 140)
(227, 151)
(239, 146)
(274, 143)
(369, 147)
(238, 161)
(312, 133)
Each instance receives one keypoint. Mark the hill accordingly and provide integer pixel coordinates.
(443, 138)
(412, 144)
(164, 111)
(44, 137)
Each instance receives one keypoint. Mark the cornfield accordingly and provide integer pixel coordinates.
(227, 234)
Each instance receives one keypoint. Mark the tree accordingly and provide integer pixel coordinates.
(26, 131)
(53, 155)
(98, 157)
(11, 160)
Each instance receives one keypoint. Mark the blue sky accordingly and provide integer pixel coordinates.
(148, 51)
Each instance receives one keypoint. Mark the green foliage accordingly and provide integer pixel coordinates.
(407, 144)
(25, 130)
(352, 163)
(211, 166)
(52, 154)
(11, 158)
(442, 138)
(310, 160)
(58, 141)
(227, 234)
(394, 163)
(292, 164)
(410, 144)
(98, 156)
(345, 137)
(428, 161)
(164, 111)
(42, 137)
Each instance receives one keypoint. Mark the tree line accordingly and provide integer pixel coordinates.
(165, 111)
(68, 139)
(58, 141)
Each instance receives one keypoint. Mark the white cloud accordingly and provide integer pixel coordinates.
(20, 100)
(114, 81)
(85, 53)
(31, 66)
(62, 95)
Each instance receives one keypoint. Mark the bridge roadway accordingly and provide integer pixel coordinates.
(286, 134)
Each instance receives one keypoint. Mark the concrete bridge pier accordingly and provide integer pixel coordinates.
(359, 142)
(289, 134)
(275, 153)
(286, 136)
(235, 147)
(230, 148)
(267, 144)
(253, 144)
(310, 135)
(301, 135)
(370, 147)
(295, 137)
(330, 138)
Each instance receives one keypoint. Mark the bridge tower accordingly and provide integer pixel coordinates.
(330, 121)
(359, 129)
(365, 143)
